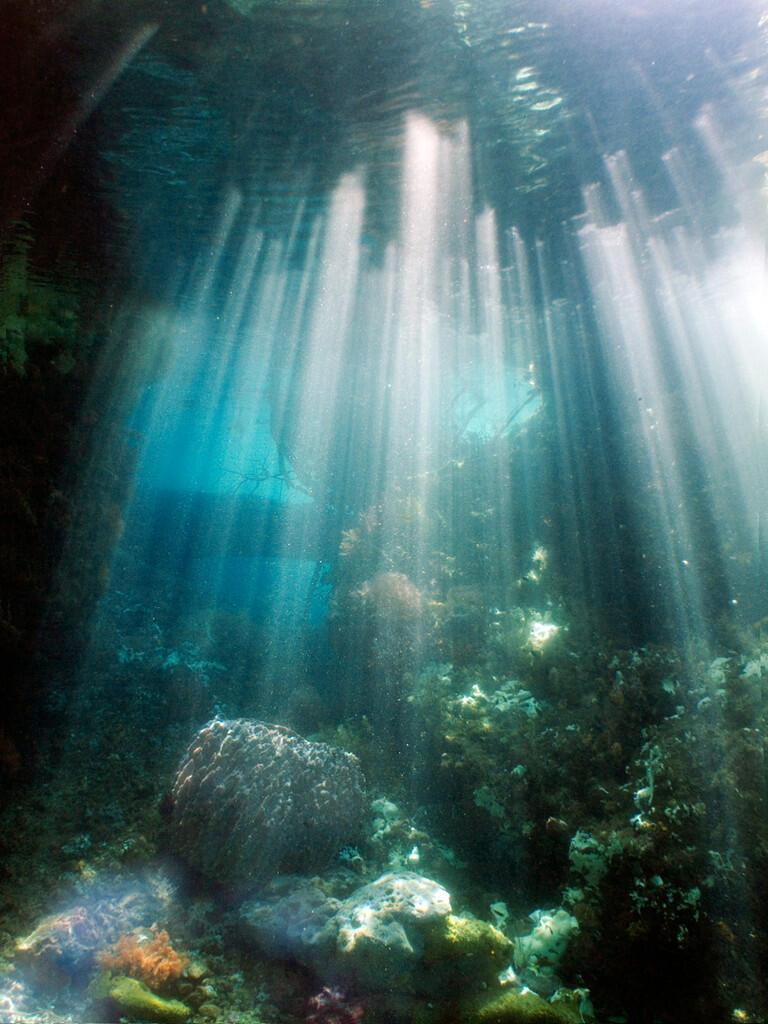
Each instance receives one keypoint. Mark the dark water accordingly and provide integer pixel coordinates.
(394, 374)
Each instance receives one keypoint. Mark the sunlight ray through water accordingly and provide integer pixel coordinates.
(382, 394)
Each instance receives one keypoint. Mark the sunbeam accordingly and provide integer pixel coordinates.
(383, 564)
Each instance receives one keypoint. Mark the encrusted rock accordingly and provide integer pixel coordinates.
(287, 918)
(390, 913)
(131, 997)
(470, 947)
(375, 937)
(65, 945)
(252, 800)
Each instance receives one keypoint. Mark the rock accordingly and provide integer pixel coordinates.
(133, 998)
(519, 1006)
(251, 801)
(388, 917)
(473, 948)
(287, 918)
(374, 937)
(196, 969)
(544, 945)
(65, 945)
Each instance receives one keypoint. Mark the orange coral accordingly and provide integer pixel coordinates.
(152, 960)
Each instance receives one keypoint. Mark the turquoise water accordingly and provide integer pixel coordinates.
(384, 576)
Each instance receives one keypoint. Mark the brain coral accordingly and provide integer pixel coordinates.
(252, 800)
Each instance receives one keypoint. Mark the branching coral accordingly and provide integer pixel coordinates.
(150, 959)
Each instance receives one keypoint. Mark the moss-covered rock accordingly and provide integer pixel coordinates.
(474, 946)
(133, 998)
(521, 1006)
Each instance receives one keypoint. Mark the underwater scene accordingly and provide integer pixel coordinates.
(384, 497)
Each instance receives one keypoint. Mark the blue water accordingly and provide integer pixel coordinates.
(422, 411)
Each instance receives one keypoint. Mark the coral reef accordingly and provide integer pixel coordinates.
(379, 625)
(288, 916)
(283, 803)
(330, 1006)
(522, 1007)
(505, 747)
(391, 599)
(475, 949)
(379, 931)
(374, 936)
(665, 882)
(151, 959)
(66, 944)
(133, 998)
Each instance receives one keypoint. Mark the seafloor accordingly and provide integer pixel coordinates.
(581, 827)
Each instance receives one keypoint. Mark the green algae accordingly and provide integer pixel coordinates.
(457, 936)
(134, 999)
(521, 1006)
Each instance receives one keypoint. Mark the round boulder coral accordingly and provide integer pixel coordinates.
(252, 800)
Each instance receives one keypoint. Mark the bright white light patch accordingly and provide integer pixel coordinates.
(541, 632)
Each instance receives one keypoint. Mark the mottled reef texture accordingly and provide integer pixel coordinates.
(251, 800)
